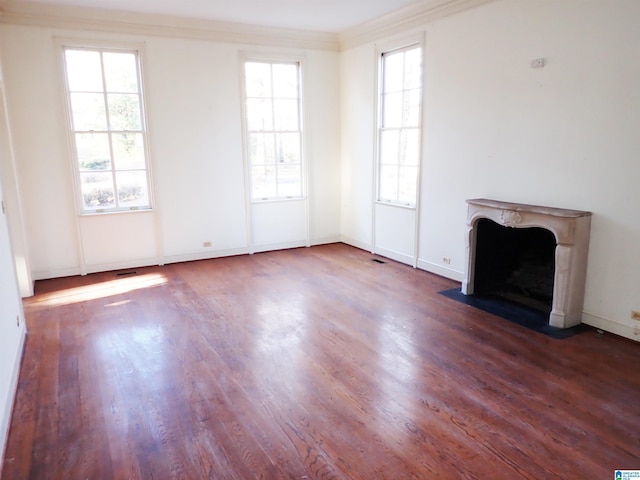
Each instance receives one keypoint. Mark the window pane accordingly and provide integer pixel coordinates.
(128, 151)
(108, 128)
(132, 189)
(124, 111)
(286, 114)
(285, 81)
(388, 182)
(87, 110)
(399, 130)
(411, 108)
(273, 124)
(289, 181)
(393, 72)
(93, 151)
(289, 148)
(392, 108)
(97, 190)
(412, 68)
(84, 71)
(410, 147)
(407, 185)
(389, 147)
(262, 149)
(258, 79)
(259, 115)
(121, 73)
(263, 181)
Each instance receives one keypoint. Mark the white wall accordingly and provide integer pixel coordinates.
(12, 329)
(565, 135)
(12, 324)
(13, 202)
(193, 95)
(357, 122)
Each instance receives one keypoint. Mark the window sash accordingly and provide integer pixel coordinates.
(399, 125)
(273, 116)
(106, 114)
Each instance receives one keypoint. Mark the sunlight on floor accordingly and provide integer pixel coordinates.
(283, 324)
(99, 290)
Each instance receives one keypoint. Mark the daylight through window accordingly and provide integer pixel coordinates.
(274, 133)
(399, 126)
(107, 121)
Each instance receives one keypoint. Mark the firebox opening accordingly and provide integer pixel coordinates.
(515, 264)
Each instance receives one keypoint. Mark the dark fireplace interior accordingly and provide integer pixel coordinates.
(515, 264)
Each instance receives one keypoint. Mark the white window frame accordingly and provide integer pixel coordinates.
(137, 48)
(381, 51)
(273, 59)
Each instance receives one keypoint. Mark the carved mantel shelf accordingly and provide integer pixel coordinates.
(571, 229)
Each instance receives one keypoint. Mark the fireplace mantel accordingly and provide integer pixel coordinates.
(571, 229)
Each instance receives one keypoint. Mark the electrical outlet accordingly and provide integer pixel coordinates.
(18, 319)
(446, 260)
(537, 63)
(635, 315)
(206, 244)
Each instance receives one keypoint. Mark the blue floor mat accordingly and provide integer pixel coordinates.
(520, 314)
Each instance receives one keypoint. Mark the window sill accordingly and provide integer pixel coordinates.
(277, 200)
(407, 206)
(117, 212)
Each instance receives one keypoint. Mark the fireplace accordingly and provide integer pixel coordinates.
(531, 255)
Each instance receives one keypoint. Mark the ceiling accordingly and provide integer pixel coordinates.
(314, 15)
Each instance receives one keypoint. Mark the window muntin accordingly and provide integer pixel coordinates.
(399, 125)
(274, 129)
(107, 123)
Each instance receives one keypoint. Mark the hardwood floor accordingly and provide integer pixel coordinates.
(309, 363)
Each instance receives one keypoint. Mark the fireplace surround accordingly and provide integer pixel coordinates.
(571, 231)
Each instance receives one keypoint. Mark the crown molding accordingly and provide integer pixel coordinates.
(404, 20)
(91, 19)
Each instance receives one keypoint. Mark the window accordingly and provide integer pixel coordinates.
(399, 125)
(108, 131)
(274, 133)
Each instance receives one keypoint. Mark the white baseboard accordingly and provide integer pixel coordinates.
(13, 388)
(383, 252)
(407, 259)
(191, 257)
(185, 257)
(269, 247)
(356, 243)
(56, 273)
(107, 267)
(440, 270)
(611, 326)
(393, 255)
(326, 240)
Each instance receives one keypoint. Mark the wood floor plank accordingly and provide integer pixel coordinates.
(308, 363)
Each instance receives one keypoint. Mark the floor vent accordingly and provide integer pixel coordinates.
(126, 274)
